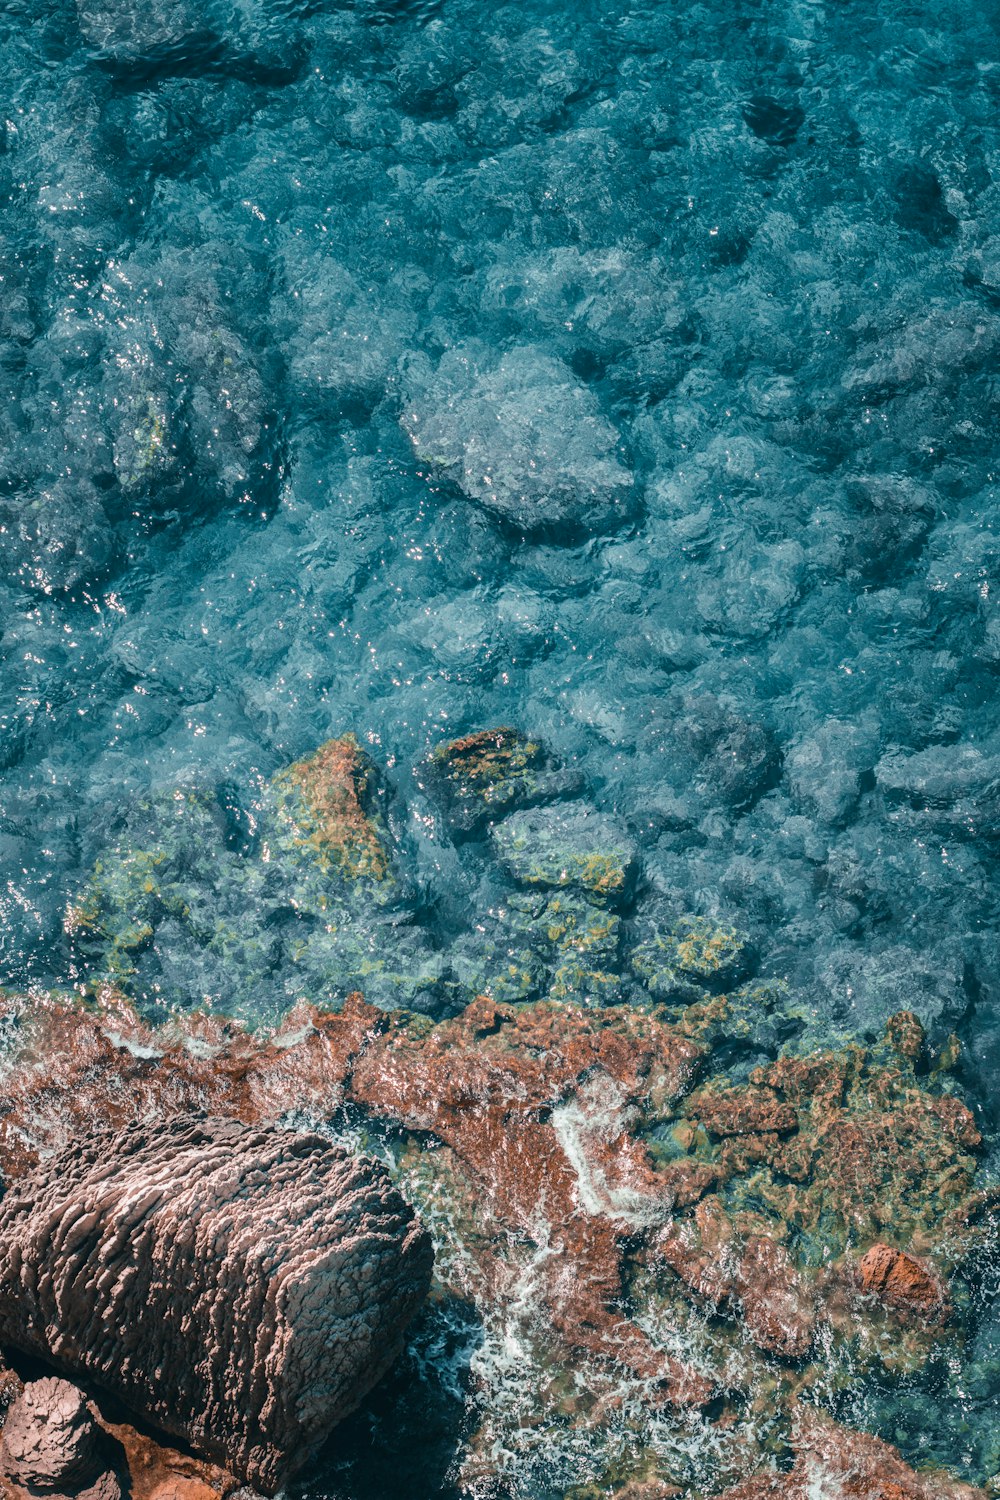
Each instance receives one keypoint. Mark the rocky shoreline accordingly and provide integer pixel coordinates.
(666, 1231)
(817, 1217)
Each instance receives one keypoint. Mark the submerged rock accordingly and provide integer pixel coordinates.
(309, 899)
(520, 435)
(328, 805)
(568, 848)
(57, 538)
(903, 1282)
(833, 1461)
(184, 393)
(482, 776)
(693, 955)
(242, 1289)
(577, 869)
(130, 33)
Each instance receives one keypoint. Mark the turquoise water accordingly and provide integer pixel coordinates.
(624, 372)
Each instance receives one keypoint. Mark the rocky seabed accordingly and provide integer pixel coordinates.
(669, 1249)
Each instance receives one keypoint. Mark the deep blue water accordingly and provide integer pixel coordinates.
(627, 372)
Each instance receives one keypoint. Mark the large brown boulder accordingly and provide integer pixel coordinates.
(240, 1288)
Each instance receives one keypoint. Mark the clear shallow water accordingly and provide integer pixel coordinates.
(294, 297)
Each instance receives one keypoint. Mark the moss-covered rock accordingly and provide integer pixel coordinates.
(178, 914)
(483, 776)
(692, 955)
(329, 808)
(570, 848)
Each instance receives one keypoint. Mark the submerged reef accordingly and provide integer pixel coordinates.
(733, 1251)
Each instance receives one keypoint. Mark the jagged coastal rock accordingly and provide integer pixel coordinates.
(241, 1288)
(685, 1200)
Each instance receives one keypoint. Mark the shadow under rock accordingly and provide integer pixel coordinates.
(407, 1436)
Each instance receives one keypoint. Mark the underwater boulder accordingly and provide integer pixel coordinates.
(482, 776)
(572, 847)
(520, 435)
(833, 1460)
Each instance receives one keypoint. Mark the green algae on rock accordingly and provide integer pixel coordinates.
(328, 806)
(693, 955)
(572, 847)
(143, 450)
(482, 776)
(177, 915)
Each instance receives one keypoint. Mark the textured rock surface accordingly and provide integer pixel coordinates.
(240, 1288)
(903, 1282)
(568, 848)
(306, 899)
(130, 1460)
(50, 1439)
(520, 435)
(329, 801)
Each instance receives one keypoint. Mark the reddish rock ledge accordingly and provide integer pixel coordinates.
(832, 1461)
(599, 1135)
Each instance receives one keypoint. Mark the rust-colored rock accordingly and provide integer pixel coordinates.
(498, 1084)
(905, 1033)
(79, 1068)
(754, 1275)
(573, 1141)
(742, 1111)
(834, 1461)
(156, 1470)
(240, 1288)
(483, 776)
(328, 801)
(903, 1282)
(534, 1102)
(50, 1440)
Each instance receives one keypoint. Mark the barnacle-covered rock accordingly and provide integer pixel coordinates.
(240, 1288)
